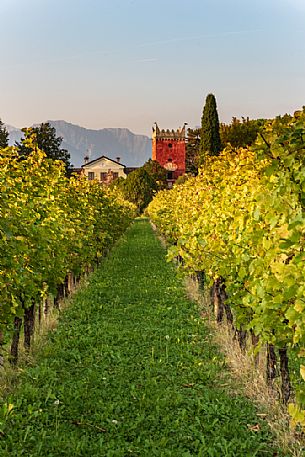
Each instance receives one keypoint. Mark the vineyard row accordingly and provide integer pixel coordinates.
(240, 226)
(52, 229)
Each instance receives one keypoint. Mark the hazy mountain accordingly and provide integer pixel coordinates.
(14, 134)
(132, 149)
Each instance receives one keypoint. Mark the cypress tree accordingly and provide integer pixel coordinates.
(210, 143)
(3, 135)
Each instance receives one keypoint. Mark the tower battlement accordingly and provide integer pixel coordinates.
(167, 134)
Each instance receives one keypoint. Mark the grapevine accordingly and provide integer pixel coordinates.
(242, 221)
(50, 226)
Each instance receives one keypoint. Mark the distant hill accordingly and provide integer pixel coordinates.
(14, 134)
(133, 150)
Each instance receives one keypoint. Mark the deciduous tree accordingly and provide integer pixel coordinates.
(47, 141)
(139, 188)
(157, 173)
(240, 133)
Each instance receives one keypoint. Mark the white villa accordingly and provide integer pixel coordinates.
(104, 169)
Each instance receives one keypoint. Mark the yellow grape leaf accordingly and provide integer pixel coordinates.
(297, 415)
(299, 306)
(302, 371)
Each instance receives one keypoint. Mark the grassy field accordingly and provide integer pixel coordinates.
(131, 370)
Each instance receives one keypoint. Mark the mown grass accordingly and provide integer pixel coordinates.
(131, 370)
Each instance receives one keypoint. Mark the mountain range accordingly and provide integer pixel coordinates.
(133, 150)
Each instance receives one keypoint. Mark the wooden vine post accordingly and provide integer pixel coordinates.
(285, 376)
(15, 341)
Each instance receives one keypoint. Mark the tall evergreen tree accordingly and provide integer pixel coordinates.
(3, 135)
(210, 143)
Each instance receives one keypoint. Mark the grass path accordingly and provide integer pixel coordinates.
(131, 371)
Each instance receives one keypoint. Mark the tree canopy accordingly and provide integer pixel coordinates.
(3, 135)
(157, 173)
(240, 133)
(139, 188)
(45, 138)
(141, 185)
(192, 150)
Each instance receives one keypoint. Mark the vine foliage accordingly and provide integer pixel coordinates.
(50, 227)
(242, 222)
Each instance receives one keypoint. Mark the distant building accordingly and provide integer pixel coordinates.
(104, 169)
(169, 149)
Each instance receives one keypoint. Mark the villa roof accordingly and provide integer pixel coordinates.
(100, 158)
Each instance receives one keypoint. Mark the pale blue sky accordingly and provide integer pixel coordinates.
(128, 63)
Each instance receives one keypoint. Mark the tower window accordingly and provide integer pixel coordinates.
(170, 145)
(169, 175)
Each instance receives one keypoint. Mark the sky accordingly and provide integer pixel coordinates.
(129, 63)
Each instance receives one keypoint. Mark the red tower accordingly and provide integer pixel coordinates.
(168, 148)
